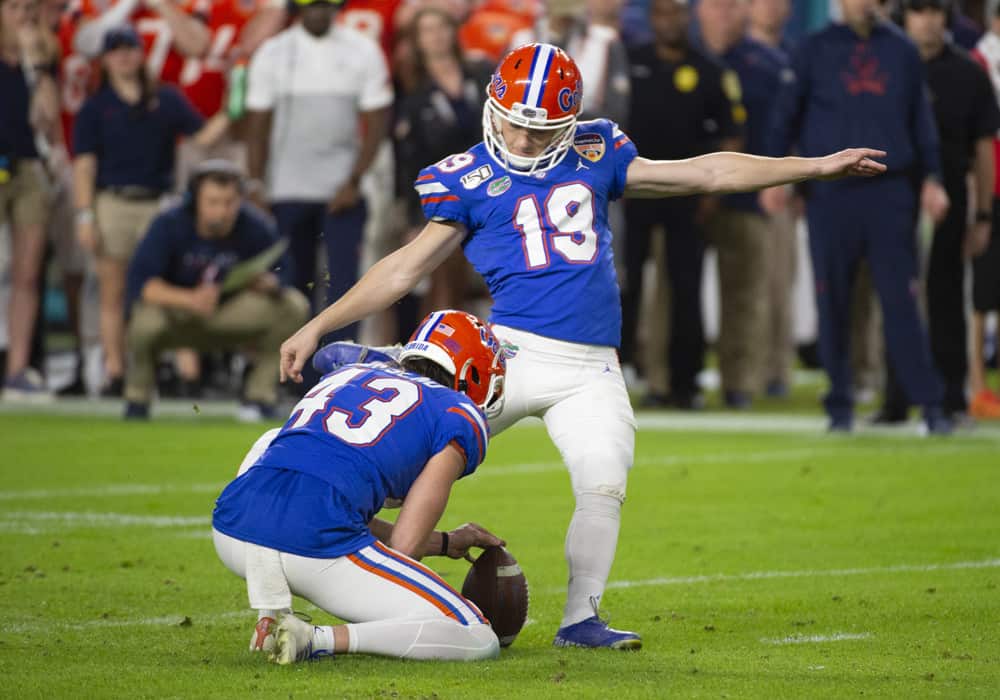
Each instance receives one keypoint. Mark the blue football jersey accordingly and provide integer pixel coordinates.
(541, 242)
(361, 435)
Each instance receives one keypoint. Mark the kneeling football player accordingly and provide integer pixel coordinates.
(299, 518)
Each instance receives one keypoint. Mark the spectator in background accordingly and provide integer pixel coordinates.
(178, 295)
(29, 114)
(594, 41)
(735, 224)
(125, 138)
(863, 81)
(986, 267)
(442, 115)
(494, 27)
(967, 118)
(767, 19)
(685, 112)
(308, 87)
(178, 32)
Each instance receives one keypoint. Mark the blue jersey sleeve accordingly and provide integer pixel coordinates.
(438, 193)
(624, 152)
(464, 425)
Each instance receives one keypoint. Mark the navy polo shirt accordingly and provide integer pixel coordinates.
(134, 145)
(846, 91)
(759, 68)
(17, 140)
(173, 251)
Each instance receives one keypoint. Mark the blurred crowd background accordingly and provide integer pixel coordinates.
(183, 182)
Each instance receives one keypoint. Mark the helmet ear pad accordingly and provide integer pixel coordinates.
(465, 348)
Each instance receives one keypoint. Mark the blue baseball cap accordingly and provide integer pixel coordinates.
(118, 37)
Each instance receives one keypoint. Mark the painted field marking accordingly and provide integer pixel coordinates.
(109, 490)
(680, 580)
(804, 573)
(86, 519)
(165, 621)
(819, 638)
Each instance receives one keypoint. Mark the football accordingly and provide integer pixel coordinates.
(496, 584)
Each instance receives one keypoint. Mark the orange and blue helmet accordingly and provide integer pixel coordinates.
(467, 349)
(537, 86)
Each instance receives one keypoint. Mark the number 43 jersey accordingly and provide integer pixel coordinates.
(541, 242)
(362, 435)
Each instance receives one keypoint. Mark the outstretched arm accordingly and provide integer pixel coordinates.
(384, 283)
(739, 172)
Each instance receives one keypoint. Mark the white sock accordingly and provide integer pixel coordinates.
(323, 639)
(273, 614)
(590, 550)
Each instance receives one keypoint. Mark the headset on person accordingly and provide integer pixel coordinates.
(213, 167)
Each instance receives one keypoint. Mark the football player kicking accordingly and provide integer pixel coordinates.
(299, 518)
(529, 206)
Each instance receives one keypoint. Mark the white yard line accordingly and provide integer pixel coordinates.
(109, 490)
(709, 421)
(172, 620)
(804, 573)
(165, 621)
(498, 470)
(89, 519)
(819, 638)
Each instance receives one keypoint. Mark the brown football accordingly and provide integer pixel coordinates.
(496, 584)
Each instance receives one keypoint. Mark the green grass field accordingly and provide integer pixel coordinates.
(772, 562)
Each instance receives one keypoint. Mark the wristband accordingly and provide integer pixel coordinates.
(444, 544)
(84, 216)
(984, 216)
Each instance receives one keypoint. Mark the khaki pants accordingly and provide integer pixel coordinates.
(780, 260)
(121, 223)
(251, 319)
(24, 200)
(741, 240)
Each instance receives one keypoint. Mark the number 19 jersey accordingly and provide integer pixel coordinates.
(542, 242)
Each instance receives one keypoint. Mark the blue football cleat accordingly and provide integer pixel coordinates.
(595, 633)
(342, 353)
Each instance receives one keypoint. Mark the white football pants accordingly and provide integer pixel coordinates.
(395, 605)
(579, 392)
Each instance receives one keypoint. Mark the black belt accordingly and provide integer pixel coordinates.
(134, 192)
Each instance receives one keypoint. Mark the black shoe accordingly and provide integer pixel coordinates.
(652, 400)
(189, 389)
(936, 422)
(136, 411)
(255, 412)
(889, 416)
(841, 425)
(114, 389)
(777, 389)
(77, 388)
(686, 401)
(737, 400)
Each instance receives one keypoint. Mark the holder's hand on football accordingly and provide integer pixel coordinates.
(470, 535)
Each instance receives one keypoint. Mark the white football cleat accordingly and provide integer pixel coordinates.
(263, 635)
(294, 641)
